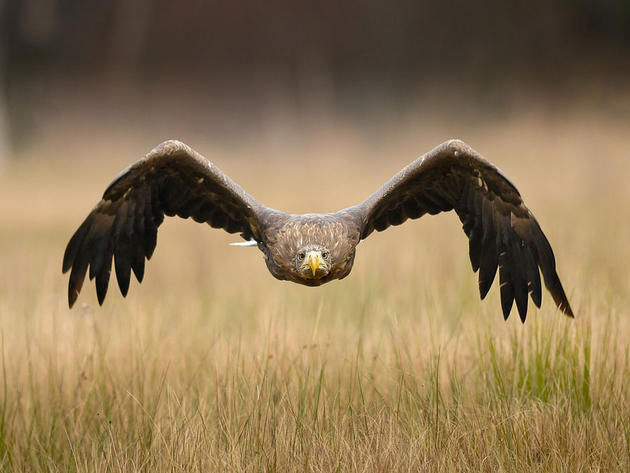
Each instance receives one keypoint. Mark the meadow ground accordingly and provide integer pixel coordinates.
(213, 365)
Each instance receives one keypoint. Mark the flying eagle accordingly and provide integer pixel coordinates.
(313, 249)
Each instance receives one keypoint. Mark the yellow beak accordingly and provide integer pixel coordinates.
(314, 260)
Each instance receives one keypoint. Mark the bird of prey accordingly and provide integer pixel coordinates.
(313, 249)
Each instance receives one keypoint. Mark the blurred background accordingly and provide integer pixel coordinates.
(271, 91)
(280, 72)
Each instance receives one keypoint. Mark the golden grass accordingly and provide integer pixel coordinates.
(212, 365)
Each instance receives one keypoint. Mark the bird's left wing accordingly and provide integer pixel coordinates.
(172, 179)
(502, 231)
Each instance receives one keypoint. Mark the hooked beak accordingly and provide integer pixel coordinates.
(315, 261)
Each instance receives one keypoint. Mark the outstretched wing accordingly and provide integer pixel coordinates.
(170, 180)
(502, 231)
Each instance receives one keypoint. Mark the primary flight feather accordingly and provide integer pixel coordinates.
(313, 249)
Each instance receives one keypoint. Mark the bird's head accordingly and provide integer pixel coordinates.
(313, 262)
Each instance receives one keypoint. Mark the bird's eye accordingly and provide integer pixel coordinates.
(324, 254)
(301, 255)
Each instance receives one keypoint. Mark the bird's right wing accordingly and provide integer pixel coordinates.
(172, 179)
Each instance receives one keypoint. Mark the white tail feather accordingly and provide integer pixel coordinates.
(244, 243)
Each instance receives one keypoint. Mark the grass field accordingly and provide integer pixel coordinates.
(213, 365)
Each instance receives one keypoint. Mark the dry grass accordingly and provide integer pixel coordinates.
(212, 365)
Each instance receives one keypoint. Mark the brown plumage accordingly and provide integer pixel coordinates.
(313, 249)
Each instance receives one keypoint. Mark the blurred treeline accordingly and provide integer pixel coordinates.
(343, 45)
(395, 39)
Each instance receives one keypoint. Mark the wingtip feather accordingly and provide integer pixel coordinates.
(566, 309)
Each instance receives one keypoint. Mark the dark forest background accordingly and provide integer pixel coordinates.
(338, 53)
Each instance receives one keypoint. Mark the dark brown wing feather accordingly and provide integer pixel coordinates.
(502, 231)
(171, 180)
